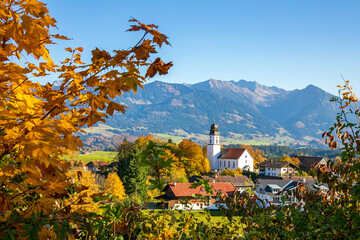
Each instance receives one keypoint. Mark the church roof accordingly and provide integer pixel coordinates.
(214, 129)
(231, 153)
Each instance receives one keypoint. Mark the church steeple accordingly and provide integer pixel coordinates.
(214, 129)
(213, 147)
(214, 137)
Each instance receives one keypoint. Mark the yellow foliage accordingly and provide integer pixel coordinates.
(82, 201)
(41, 123)
(231, 172)
(293, 160)
(114, 186)
(193, 158)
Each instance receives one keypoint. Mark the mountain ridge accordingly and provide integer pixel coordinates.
(244, 111)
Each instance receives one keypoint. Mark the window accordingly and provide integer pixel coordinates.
(245, 156)
(228, 164)
(245, 160)
(275, 190)
(233, 164)
(268, 168)
(210, 140)
(276, 199)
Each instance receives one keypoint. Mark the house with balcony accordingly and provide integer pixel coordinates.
(277, 169)
(273, 190)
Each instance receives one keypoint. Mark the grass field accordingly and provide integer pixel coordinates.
(216, 217)
(94, 156)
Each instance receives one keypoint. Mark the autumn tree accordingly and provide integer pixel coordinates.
(231, 172)
(86, 180)
(193, 158)
(293, 160)
(114, 186)
(39, 123)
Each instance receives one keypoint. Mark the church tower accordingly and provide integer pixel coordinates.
(213, 147)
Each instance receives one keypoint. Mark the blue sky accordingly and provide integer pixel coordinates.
(289, 44)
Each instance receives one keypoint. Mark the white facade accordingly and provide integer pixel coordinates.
(244, 161)
(276, 171)
(213, 151)
(272, 193)
(273, 171)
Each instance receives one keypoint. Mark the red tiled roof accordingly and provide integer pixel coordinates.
(234, 153)
(235, 180)
(184, 190)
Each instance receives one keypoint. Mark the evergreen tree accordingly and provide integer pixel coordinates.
(130, 170)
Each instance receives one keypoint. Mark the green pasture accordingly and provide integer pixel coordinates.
(216, 218)
(105, 156)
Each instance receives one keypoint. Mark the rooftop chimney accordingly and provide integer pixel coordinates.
(174, 183)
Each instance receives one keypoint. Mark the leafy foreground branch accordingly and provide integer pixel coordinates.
(41, 199)
(38, 124)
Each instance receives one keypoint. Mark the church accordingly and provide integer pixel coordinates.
(226, 158)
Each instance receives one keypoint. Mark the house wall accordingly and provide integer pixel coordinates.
(272, 171)
(245, 159)
(213, 151)
(268, 197)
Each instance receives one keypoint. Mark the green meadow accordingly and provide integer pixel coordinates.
(105, 156)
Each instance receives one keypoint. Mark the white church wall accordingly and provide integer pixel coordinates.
(246, 159)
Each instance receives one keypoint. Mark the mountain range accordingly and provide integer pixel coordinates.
(246, 112)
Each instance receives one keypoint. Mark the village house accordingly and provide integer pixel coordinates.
(272, 190)
(226, 158)
(174, 194)
(96, 166)
(307, 162)
(241, 183)
(277, 168)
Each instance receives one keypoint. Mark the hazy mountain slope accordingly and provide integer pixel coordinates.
(303, 112)
(243, 110)
(250, 93)
(163, 107)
